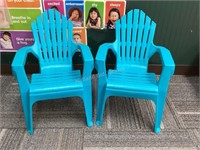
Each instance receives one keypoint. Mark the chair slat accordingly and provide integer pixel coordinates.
(145, 37)
(150, 39)
(48, 38)
(64, 36)
(58, 32)
(70, 33)
(118, 34)
(123, 37)
(42, 38)
(36, 39)
(53, 34)
(134, 31)
(129, 33)
(139, 36)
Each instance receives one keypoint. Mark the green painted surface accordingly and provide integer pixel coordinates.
(22, 18)
(177, 27)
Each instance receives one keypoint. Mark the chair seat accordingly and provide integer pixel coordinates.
(45, 83)
(132, 81)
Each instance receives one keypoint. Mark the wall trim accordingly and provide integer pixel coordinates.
(180, 69)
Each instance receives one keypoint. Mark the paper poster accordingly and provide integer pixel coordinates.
(10, 40)
(75, 12)
(16, 17)
(114, 10)
(24, 3)
(22, 18)
(80, 35)
(15, 30)
(94, 14)
(54, 4)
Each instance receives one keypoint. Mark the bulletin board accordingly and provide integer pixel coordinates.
(19, 14)
(16, 17)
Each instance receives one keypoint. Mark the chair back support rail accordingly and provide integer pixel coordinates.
(53, 38)
(134, 38)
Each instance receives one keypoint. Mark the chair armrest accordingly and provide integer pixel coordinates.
(88, 61)
(100, 60)
(168, 66)
(18, 69)
(20, 56)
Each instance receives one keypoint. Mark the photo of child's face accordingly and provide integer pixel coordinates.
(77, 38)
(75, 15)
(93, 15)
(113, 17)
(6, 37)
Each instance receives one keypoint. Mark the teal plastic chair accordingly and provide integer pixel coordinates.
(133, 48)
(54, 49)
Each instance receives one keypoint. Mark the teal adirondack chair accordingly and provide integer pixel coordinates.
(54, 49)
(133, 48)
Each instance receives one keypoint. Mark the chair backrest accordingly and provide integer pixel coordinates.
(134, 36)
(53, 37)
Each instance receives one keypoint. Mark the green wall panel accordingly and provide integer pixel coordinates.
(177, 27)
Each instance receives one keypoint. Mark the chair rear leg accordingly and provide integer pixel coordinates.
(101, 102)
(160, 104)
(30, 120)
(87, 100)
(27, 107)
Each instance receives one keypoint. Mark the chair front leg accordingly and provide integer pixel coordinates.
(101, 102)
(160, 104)
(27, 108)
(87, 100)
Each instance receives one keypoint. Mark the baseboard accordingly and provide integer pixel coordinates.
(180, 69)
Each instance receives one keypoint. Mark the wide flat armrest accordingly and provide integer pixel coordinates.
(103, 50)
(88, 63)
(20, 56)
(18, 69)
(87, 55)
(100, 60)
(166, 58)
(168, 67)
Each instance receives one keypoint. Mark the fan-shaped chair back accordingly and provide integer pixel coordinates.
(134, 35)
(53, 37)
